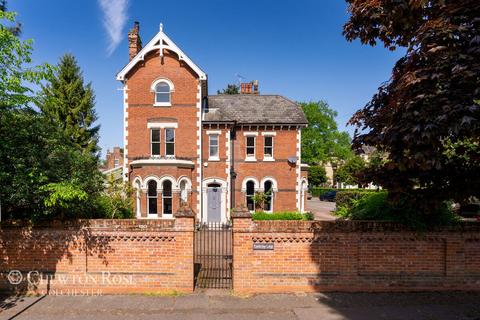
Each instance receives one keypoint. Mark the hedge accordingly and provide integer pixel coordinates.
(316, 192)
(284, 215)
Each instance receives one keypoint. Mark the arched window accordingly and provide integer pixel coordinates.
(162, 93)
(167, 197)
(268, 190)
(250, 192)
(152, 197)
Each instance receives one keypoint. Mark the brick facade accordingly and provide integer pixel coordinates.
(189, 170)
(114, 158)
(352, 256)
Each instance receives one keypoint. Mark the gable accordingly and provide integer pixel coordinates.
(160, 43)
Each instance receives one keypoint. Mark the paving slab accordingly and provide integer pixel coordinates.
(199, 306)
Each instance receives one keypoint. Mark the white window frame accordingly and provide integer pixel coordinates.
(210, 156)
(152, 215)
(251, 158)
(116, 162)
(166, 142)
(167, 215)
(154, 89)
(265, 156)
(159, 142)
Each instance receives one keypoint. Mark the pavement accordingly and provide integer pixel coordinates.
(322, 210)
(320, 306)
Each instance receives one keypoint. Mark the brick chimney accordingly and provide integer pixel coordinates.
(134, 41)
(249, 87)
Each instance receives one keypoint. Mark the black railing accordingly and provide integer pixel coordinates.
(213, 255)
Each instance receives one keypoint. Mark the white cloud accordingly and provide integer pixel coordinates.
(114, 19)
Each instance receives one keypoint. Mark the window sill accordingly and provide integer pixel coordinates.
(214, 159)
(162, 104)
(250, 159)
(268, 159)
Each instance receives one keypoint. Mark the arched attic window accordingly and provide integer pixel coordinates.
(163, 89)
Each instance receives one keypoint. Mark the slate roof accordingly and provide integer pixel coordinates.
(253, 109)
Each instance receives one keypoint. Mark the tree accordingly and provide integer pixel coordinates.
(321, 140)
(71, 104)
(42, 174)
(15, 55)
(316, 176)
(426, 117)
(230, 89)
(348, 172)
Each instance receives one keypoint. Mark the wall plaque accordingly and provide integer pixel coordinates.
(263, 246)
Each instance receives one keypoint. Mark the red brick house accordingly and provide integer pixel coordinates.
(211, 153)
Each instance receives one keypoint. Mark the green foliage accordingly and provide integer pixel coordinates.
(426, 118)
(349, 171)
(316, 175)
(259, 199)
(63, 195)
(116, 202)
(321, 140)
(230, 89)
(39, 167)
(283, 215)
(15, 55)
(71, 104)
(376, 206)
(345, 197)
(316, 192)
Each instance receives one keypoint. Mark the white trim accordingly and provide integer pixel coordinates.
(137, 186)
(244, 183)
(164, 162)
(166, 142)
(159, 142)
(303, 190)
(199, 162)
(223, 205)
(162, 125)
(209, 132)
(160, 37)
(250, 157)
(271, 157)
(268, 133)
(168, 178)
(162, 104)
(161, 79)
(125, 134)
(227, 171)
(250, 133)
(147, 180)
(298, 169)
(217, 157)
(274, 183)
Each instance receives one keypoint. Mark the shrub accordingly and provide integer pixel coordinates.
(376, 206)
(345, 197)
(283, 215)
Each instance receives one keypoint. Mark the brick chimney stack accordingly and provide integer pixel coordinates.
(134, 41)
(249, 87)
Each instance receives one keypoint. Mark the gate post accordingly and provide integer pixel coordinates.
(184, 243)
(242, 228)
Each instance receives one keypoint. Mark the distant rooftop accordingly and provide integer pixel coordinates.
(253, 109)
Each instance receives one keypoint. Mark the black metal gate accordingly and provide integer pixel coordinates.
(213, 255)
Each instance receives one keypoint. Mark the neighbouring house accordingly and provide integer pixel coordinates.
(212, 153)
(113, 164)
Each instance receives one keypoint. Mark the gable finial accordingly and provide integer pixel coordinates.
(161, 27)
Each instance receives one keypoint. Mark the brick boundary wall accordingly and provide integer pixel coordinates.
(352, 256)
(93, 257)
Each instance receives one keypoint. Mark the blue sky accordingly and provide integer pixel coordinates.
(294, 48)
